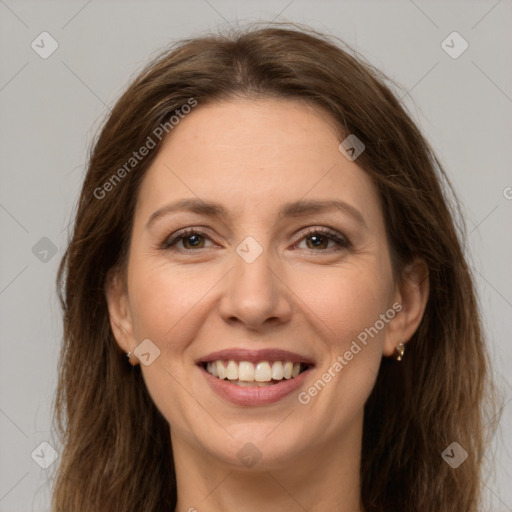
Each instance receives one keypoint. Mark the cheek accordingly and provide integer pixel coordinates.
(171, 302)
(164, 301)
(343, 302)
(168, 308)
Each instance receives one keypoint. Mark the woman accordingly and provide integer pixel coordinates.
(263, 231)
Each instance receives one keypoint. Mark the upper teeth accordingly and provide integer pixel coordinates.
(249, 372)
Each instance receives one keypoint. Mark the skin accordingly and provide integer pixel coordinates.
(252, 156)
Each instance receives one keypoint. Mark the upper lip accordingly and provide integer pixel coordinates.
(255, 356)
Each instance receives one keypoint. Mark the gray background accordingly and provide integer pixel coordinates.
(51, 108)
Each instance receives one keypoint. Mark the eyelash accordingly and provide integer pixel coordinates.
(343, 242)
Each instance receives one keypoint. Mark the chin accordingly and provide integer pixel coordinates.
(258, 446)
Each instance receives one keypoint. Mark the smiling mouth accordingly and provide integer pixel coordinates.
(261, 374)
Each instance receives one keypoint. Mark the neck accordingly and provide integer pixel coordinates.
(324, 475)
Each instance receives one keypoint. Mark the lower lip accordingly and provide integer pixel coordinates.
(254, 396)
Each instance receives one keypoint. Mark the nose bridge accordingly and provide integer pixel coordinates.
(254, 291)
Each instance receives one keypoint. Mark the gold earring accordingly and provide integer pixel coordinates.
(399, 351)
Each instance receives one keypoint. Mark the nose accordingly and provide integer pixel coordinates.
(255, 294)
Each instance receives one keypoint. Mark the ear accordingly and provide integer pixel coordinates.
(119, 311)
(412, 296)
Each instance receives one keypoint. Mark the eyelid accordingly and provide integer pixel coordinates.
(175, 237)
(332, 234)
(328, 232)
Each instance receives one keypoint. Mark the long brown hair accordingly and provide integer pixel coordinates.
(117, 454)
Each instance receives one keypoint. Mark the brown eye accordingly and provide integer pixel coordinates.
(318, 240)
(191, 239)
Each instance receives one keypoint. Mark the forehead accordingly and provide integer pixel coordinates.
(253, 156)
(251, 131)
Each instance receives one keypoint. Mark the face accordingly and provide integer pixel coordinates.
(263, 268)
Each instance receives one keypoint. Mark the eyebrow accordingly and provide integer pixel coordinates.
(294, 209)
